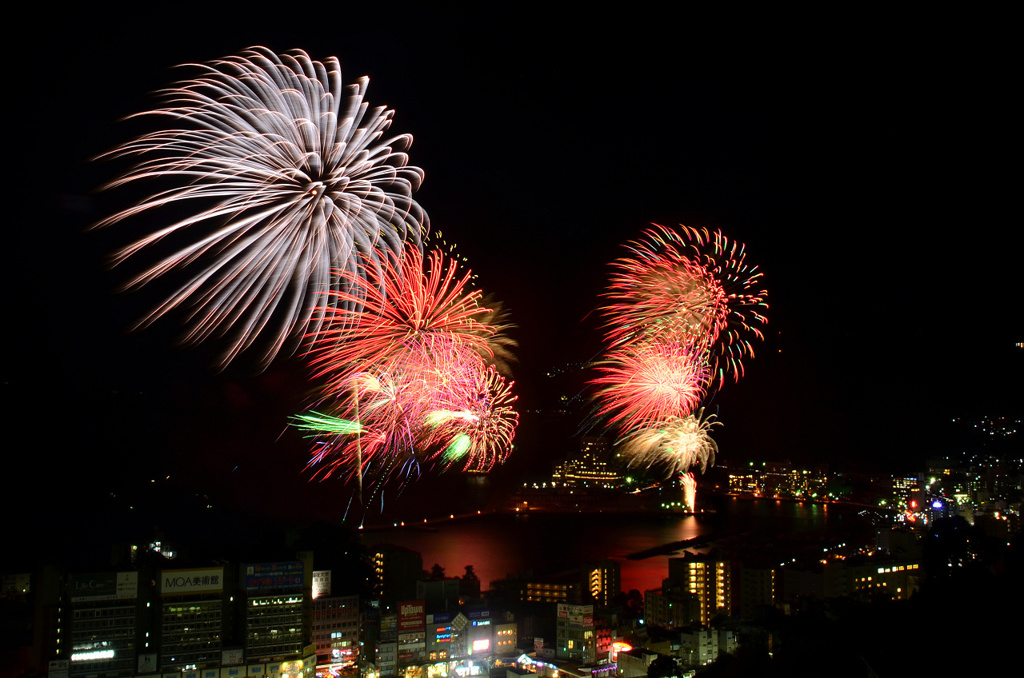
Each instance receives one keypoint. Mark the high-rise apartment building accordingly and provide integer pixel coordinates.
(709, 580)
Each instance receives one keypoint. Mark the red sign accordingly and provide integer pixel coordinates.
(411, 615)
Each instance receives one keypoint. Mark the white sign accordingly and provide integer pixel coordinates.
(177, 582)
(321, 583)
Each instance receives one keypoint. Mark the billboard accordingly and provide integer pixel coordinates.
(411, 615)
(440, 618)
(195, 580)
(232, 657)
(268, 576)
(321, 583)
(103, 586)
(576, 614)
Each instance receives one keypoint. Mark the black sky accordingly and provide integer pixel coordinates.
(865, 160)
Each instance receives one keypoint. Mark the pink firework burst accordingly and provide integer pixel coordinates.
(688, 286)
(651, 381)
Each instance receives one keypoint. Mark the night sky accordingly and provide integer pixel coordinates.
(866, 162)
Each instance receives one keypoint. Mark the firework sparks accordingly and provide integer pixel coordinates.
(422, 410)
(678, 443)
(689, 286)
(371, 432)
(651, 381)
(417, 305)
(292, 177)
(479, 434)
(444, 405)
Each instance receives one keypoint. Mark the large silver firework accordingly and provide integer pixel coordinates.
(291, 176)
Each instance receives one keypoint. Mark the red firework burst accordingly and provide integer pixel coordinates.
(691, 287)
(395, 309)
(651, 381)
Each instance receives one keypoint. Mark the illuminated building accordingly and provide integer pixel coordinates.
(274, 610)
(548, 591)
(575, 637)
(603, 581)
(744, 483)
(478, 633)
(194, 617)
(589, 468)
(698, 646)
(867, 578)
(335, 629)
(897, 580)
(98, 635)
(709, 580)
(397, 570)
(439, 636)
(506, 641)
(412, 634)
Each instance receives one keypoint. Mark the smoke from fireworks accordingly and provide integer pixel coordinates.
(290, 175)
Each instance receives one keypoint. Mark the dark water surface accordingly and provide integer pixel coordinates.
(500, 544)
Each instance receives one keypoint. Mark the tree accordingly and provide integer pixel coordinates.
(469, 584)
(663, 667)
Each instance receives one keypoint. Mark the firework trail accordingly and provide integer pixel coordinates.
(689, 485)
(371, 430)
(691, 286)
(288, 175)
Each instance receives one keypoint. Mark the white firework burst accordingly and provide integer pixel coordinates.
(292, 177)
(677, 443)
